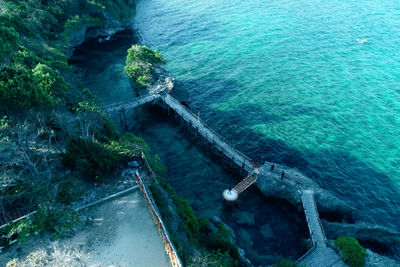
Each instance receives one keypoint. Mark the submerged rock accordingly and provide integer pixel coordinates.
(373, 259)
(266, 231)
(244, 218)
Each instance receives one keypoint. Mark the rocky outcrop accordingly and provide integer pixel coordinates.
(164, 81)
(289, 188)
(384, 239)
(373, 259)
(90, 30)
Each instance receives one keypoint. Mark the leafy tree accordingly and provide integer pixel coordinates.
(21, 87)
(18, 88)
(352, 252)
(94, 158)
(139, 64)
(50, 81)
(8, 40)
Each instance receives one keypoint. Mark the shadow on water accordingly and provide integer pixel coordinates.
(100, 66)
(371, 191)
(277, 229)
(266, 228)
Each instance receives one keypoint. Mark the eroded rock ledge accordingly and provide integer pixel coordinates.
(381, 239)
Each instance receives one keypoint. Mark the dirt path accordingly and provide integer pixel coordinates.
(123, 233)
(120, 233)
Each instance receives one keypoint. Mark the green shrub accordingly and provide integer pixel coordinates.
(141, 53)
(8, 40)
(110, 128)
(285, 263)
(70, 189)
(94, 158)
(50, 81)
(157, 165)
(129, 145)
(199, 231)
(221, 241)
(21, 87)
(18, 88)
(59, 221)
(352, 252)
(139, 64)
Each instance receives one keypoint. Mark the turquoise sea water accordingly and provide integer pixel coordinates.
(287, 81)
(284, 81)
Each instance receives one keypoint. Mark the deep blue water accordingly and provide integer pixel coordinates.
(284, 81)
(287, 81)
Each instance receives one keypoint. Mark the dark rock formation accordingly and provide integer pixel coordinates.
(271, 184)
(378, 238)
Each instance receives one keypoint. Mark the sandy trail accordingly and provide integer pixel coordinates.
(121, 233)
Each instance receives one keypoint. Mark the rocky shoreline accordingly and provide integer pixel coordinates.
(381, 239)
(387, 241)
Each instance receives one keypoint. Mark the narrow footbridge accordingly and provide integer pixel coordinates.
(321, 255)
(121, 106)
(193, 120)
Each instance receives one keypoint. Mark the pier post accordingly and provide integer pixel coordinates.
(241, 169)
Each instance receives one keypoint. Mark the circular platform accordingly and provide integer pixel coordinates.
(230, 194)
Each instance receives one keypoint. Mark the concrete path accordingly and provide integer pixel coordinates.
(123, 233)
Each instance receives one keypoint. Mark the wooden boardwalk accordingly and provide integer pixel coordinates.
(209, 134)
(314, 224)
(320, 255)
(131, 104)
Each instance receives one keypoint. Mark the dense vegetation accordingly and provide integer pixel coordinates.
(54, 141)
(140, 62)
(203, 243)
(285, 263)
(352, 252)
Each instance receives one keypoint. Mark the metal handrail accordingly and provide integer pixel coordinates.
(206, 126)
(164, 231)
(122, 104)
(319, 220)
(305, 255)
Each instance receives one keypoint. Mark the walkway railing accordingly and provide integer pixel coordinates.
(131, 104)
(169, 247)
(202, 128)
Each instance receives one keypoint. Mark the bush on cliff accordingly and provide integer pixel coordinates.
(8, 40)
(352, 252)
(139, 64)
(94, 158)
(285, 263)
(21, 87)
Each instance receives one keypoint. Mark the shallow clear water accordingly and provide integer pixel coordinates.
(284, 81)
(287, 81)
(200, 177)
